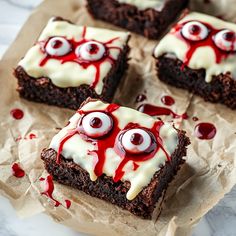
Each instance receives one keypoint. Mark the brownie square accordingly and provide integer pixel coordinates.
(199, 54)
(117, 154)
(70, 63)
(148, 18)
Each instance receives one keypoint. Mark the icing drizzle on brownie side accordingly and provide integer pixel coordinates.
(202, 41)
(72, 55)
(131, 149)
(145, 4)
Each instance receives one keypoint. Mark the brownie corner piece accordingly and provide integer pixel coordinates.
(148, 18)
(70, 63)
(125, 164)
(199, 54)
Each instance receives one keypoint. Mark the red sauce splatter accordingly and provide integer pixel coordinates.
(72, 57)
(17, 113)
(159, 111)
(49, 188)
(194, 45)
(195, 118)
(136, 166)
(168, 100)
(17, 171)
(140, 98)
(32, 136)
(112, 140)
(205, 131)
(68, 203)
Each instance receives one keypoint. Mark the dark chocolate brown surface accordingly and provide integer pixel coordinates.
(222, 88)
(150, 23)
(69, 173)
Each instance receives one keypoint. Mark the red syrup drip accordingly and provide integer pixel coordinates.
(17, 114)
(160, 111)
(205, 131)
(49, 188)
(111, 140)
(195, 118)
(140, 98)
(68, 203)
(17, 171)
(194, 45)
(32, 136)
(167, 100)
(72, 57)
(136, 166)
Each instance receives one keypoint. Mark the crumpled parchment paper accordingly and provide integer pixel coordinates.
(209, 172)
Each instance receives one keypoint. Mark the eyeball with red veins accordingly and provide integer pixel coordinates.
(58, 46)
(136, 141)
(97, 124)
(90, 51)
(226, 40)
(194, 31)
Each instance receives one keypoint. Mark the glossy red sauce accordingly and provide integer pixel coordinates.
(159, 111)
(17, 113)
(68, 203)
(140, 98)
(205, 131)
(17, 171)
(167, 100)
(49, 188)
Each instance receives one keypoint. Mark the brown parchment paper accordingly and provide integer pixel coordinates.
(209, 173)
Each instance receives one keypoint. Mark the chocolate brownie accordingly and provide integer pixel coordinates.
(148, 18)
(117, 154)
(70, 63)
(199, 54)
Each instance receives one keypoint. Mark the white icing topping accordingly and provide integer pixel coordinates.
(58, 46)
(203, 57)
(224, 44)
(83, 51)
(105, 124)
(78, 149)
(145, 4)
(200, 33)
(129, 146)
(72, 74)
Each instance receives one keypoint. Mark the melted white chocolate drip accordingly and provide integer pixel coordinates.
(145, 4)
(203, 57)
(77, 148)
(71, 74)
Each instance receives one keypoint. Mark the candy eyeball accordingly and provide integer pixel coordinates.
(57, 46)
(97, 124)
(194, 31)
(90, 51)
(225, 40)
(136, 141)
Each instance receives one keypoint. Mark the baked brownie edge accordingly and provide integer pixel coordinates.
(149, 22)
(69, 173)
(222, 88)
(43, 90)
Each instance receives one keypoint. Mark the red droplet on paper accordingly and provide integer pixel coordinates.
(159, 111)
(17, 171)
(32, 136)
(136, 166)
(205, 131)
(168, 100)
(17, 113)
(141, 98)
(68, 203)
(195, 118)
(49, 188)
